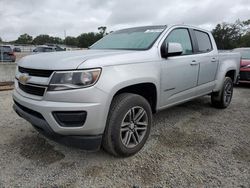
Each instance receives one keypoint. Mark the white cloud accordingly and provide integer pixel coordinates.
(78, 16)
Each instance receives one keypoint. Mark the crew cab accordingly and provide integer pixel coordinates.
(106, 95)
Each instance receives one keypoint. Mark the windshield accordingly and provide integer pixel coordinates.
(140, 38)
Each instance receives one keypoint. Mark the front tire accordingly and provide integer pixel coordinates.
(223, 98)
(128, 125)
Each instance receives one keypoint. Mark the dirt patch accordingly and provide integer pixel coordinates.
(94, 171)
(242, 153)
(147, 172)
(37, 149)
(177, 138)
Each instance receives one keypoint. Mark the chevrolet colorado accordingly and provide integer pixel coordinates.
(106, 95)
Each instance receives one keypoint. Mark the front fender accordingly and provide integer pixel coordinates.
(115, 78)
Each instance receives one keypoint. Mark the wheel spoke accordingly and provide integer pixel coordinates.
(141, 128)
(123, 129)
(139, 115)
(128, 138)
(125, 124)
(135, 138)
(141, 124)
(131, 115)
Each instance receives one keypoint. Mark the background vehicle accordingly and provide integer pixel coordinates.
(16, 49)
(244, 64)
(7, 54)
(106, 95)
(40, 49)
(48, 48)
(56, 47)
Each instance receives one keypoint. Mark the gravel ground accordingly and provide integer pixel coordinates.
(191, 145)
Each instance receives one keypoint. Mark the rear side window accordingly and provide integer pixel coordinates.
(181, 36)
(204, 43)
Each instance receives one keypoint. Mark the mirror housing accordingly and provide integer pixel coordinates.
(171, 49)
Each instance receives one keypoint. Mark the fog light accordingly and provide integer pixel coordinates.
(70, 118)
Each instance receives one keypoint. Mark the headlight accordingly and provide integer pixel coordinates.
(63, 80)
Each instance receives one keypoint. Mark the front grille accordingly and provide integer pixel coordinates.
(32, 89)
(244, 75)
(36, 72)
(29, 111)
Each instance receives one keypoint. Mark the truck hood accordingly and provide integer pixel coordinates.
(79, 59)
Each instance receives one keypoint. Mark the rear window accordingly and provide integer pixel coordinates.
(204, 43)
(5, 49)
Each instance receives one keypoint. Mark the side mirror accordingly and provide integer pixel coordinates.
(171, 49)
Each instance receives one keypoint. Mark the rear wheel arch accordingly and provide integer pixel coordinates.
(231, 74)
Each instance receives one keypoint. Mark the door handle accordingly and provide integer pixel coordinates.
(194, 63)
(213, 60)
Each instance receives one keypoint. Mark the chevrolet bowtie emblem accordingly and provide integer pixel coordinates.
(24, 78)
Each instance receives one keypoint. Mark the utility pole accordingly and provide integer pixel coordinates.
(65, 36)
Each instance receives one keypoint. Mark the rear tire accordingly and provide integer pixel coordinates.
(223, 98)
(128, 125)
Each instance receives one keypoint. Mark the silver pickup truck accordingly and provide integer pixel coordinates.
(106, 95)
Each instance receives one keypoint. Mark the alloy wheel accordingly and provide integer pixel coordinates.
(134, 127)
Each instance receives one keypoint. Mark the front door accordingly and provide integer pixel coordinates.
(179, 74)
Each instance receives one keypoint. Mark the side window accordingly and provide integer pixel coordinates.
(204, 43)
(181, 36)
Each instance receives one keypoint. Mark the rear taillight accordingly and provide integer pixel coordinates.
(11, 53)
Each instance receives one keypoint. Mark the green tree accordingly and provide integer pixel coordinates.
(41, 39)
(56, 40)
(85, 40)
(46, 39)
(245, 40)
(232, 35)
(24, 39)
(1, 39)
(102, 30)
(71, 41)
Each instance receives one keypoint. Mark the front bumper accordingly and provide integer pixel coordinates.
(40, 124)
(94, 123)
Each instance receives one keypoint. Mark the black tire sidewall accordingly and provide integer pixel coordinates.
(217, 98)
(227, 80)
(127, 103)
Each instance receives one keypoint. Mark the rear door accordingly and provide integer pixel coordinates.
(206, 56)
(179, 73)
